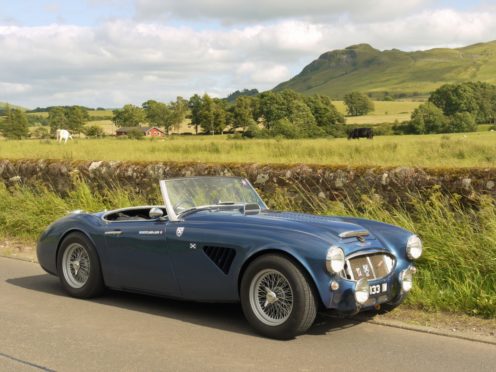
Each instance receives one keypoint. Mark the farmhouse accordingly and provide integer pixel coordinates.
(148, 132)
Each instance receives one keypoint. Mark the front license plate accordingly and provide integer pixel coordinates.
(378, 288)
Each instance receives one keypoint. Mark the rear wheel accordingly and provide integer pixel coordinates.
(277, 298)
(78, 267)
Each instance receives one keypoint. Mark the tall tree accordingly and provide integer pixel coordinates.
(207, 114)
(179, 109)
(358, 104)
(76, 117)
(129, 116)
(57, 119)
(242, 112)
(15, 124)
(195, 106)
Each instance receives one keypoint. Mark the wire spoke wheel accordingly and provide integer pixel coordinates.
(76, 265)
(271, 297)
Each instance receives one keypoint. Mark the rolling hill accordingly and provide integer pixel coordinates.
(395, 72)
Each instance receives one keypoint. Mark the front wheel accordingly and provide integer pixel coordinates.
(277, 298)
(78, 267)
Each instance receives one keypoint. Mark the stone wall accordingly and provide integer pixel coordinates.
(331, 182)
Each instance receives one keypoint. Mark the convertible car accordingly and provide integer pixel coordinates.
(215, 240)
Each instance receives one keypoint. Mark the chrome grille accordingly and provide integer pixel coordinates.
(370, 266)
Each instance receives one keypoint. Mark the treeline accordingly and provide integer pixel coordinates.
(286, 113)
(453, 108)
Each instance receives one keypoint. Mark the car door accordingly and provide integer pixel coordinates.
(137, 256)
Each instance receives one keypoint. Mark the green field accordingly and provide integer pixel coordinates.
(384, 112)
(454, 150)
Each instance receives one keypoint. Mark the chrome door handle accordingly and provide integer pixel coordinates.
(113, 232)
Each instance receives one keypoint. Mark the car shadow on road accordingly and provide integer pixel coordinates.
(227, 317)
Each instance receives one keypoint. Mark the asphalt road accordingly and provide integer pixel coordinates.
(42, 329)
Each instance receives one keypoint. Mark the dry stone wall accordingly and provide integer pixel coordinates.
(330, 182)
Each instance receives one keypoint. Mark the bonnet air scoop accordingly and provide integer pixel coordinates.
(353, 234)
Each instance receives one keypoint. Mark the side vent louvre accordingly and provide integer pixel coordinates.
(222, 257)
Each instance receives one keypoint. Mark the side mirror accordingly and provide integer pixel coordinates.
(156, 213)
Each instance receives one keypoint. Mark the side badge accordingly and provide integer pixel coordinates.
(179, 231)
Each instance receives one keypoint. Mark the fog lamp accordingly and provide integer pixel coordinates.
(406, 279)
(362, 291)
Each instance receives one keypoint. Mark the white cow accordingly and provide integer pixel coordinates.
(63, 135)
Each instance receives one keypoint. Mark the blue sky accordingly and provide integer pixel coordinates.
(110, 52)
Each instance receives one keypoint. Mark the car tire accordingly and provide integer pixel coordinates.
(277, 298)
(78, 267)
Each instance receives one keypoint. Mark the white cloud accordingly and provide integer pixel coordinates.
(129, 62)
(260, 10)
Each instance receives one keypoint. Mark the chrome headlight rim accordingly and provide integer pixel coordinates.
(414, 247)
(335, 259)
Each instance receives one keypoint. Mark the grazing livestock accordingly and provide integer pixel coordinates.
(361, 133)
(63, 135)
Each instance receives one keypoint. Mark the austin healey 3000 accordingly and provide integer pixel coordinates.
(214, 239)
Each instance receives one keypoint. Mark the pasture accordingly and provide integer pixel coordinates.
(453, 150)
(384, 112)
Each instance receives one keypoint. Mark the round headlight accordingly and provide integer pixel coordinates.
(406, 279)
(334, 260)
(414, 247)
(362, 291)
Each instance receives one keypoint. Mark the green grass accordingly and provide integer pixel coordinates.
(384, 112)
(457, 272)
(454, 150)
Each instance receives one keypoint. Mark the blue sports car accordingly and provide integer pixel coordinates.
(215, 240)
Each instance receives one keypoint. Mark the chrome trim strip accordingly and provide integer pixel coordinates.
(113, 232)
(353, 234)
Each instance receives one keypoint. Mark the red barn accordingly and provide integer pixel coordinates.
(147, 132)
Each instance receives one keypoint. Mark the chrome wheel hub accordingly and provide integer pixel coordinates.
(76, 265)
(271, 297)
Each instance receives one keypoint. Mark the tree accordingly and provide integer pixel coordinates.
(242, 112)
(273, 107)
(57, 119)
(128, 116)
(358, 104)
(326, 115)
(453, 98)
(221, 115)
(207, 114)
(195, 106)
(158, 114)
(15, 124)
(427, 118)
(94, 131)
(461, 122)
(179, 109)
(76, 117)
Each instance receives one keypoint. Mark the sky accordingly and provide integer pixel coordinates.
(106, 53)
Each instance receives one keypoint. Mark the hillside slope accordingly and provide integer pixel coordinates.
(363, 68)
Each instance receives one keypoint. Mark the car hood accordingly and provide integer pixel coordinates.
(316, 224)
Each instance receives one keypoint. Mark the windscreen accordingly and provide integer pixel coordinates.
(195, 192)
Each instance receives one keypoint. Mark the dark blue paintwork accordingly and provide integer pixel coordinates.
(176, 266)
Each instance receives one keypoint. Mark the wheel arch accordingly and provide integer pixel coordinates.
(70, 231)
(304, 269)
